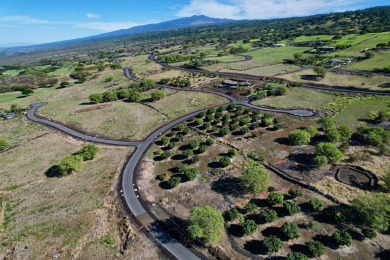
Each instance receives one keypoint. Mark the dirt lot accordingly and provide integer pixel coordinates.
(76, 216)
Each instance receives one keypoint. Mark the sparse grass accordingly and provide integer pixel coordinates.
(48, 213)
(18, 130)
(140, 64)
(17, 97)
(271, 70)
(332, 79)
(298, 98)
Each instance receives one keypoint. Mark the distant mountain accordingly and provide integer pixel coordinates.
(196, 20)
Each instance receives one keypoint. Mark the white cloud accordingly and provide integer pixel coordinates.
(92, 15)
(211, 8)
(105, 26)
(264, 9)
(23, 19)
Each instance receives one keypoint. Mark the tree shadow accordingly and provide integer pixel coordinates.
(282, 140)
(383, 255)
(236, 230)
(178, 157)
(164, 185)
(276, 231)
(215, 165)
(53, 172)
(256, 218)
(355, 234)
(262, 203)
(228, 186)
(255, 247)
(327, 241)
(299, 248)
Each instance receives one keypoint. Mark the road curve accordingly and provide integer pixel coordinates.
(252, 77)
(31, 115)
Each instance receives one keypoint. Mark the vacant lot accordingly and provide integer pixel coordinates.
(71, 217)
(17, 131)
(140, 64)
(380, 60)
(332, 79)
(298, 98)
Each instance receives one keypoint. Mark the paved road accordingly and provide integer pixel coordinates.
(243, 102)
(31, 115)
(252, 77)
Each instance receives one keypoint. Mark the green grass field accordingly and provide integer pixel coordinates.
(17, 97)
(380, 60)
(359, 107)
(305, 38)
(298, 98)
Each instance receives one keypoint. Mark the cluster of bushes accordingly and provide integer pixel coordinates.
(173, 58)
(176, 81)
(73, 163)
(375, 136)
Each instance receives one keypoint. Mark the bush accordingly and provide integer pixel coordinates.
(291, 207)
(275, 198)
(320, 161)
(224, 131)
(165, 140)
(342, 238)
(70, 164)
(269, 215)
(254, 178)
(326, 122)
(157, 95)
(173, 182)
(272, 243)
(250, 207)
(232, 152)
(4, 144)
(96, 98)
(181, 167)
(330, 151)
(88, 152)
(332, 135)
(110, 96)
(135, 96)
(188, 153)
(211, 141)
(267, 122)
(299, 137)
(231, 214)
(193, 144)
(296, 256)
(249, 226)
(316, 204)
(369, 233)
(295, 193)
(191, 174)
(163, 177)
(291, 230)
(315, 248)
(311, 130)
(165, 155)
(202, 148)
(225, 161)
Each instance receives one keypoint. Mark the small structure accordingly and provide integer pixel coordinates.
(279, 45)
(232, 83)
(7, 115)
(326, 49)
(337, 62)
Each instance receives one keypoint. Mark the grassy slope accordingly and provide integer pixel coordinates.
(298, 98)
(305, 38)
(380, 60)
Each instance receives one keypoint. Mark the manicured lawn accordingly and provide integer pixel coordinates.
(298, 98)
(305, 38)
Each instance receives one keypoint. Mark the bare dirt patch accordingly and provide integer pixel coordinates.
(92, 108)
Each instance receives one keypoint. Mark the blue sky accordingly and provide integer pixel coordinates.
(42, 21)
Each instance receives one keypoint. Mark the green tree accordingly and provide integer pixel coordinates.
(326, 122)
(254, 179)
(27, 92)
(299, 137)
(225, 161)
(291, 230)
(332, 135)
(251, 207)
(157, 95)
(211, 141)
(135, 96)
(312, 131)
(194, 144)
(88, 152)
(96, 98)
(147, 84)
(231, 214)
(232, 152)
(295, 193)
(188, 153)
(368, 233)
(123, 93)
(206, 224)
(330, 151)
(165, 140)
(174, 182)
(342, 238)
(320, 71)
(316, 204)
(202, 148)
(275, 198)
(64, 84)
(315, 248)
(320, 161)
(4, 144)
(272, 243)
(345, 133)
(291, 207)
(249, 226)
(224, 131)
(373, 210)
(70, 164)
(296, 256)
(110, 96)
(191, 173)
(269, 215)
